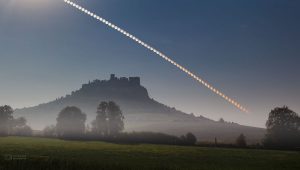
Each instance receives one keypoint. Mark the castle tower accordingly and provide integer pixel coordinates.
(113, 77)
(135, 81)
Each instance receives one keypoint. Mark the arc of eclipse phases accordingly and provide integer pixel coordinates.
(157, 52)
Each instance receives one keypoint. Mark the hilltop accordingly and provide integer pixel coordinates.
(141, 112)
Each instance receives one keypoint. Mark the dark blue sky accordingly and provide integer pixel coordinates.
(250, 50)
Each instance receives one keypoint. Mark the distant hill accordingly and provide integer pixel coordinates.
(141, 112)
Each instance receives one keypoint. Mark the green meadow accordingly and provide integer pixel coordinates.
(54, 154)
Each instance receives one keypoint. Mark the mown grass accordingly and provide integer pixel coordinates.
(54, 154)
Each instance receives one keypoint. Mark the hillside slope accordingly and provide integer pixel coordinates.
(141, 112)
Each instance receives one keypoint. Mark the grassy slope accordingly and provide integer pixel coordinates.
(57, 154)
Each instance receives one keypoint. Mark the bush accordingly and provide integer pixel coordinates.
(22, 131)
(49, 131)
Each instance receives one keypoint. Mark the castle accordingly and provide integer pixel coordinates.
(123, 80)
(114, 81)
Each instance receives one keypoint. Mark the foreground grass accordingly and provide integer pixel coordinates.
(53, 154)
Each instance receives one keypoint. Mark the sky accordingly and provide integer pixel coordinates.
(250, 50)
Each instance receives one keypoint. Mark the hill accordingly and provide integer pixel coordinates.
(141, 112)
(53, 154)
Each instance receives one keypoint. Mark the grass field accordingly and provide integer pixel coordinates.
(52, 154)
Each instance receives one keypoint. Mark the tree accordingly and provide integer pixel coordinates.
(283, 128)
(191, 139)
(115, 118)
(241, 141)
(109, 119)
(19, 122)
(6, 118)
(188, 139)
(100, 125)
(221, 120)
(70, 123)
(216, 141)
(20, 128)
(11, 126)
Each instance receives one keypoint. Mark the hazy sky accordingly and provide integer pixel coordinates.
(250, 50)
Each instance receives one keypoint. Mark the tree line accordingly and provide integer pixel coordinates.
(12, 126)
(107, 126)
(71, 122)
(282, 128)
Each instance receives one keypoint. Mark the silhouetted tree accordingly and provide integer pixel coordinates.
(241, 141)
(115, 118)
(6, 118)
(183, 139)
(191, 139)
(19, 127)
(283, 128)
(70, 123)
(188, 139)
(100, 125)
(109, 119)
(216, 141)
(221, 120)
